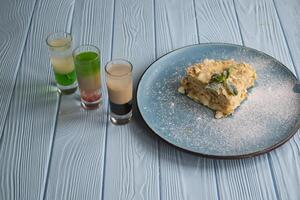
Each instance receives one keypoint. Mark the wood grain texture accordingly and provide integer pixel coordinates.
(183, 176)
(28, 132)
(14, 25)
(271, 39)
(131, 170)
(241, 179)
(217, 21)
(77, 164)
(175, 25)
(245, 179)
(289, 18)
(76, 168)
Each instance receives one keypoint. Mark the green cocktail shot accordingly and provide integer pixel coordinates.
(87, 65)
(60, 48)
(65, 79)
(64, 70)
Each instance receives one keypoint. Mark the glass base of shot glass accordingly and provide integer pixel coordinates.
(90, 105)
(120, 119)
(66, 90)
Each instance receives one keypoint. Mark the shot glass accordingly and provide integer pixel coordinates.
(60, 50)
(87, 65)
(119, 85)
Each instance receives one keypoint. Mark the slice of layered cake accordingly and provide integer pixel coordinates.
(218, 84)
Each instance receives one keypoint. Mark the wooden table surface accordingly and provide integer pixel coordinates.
(50, 148)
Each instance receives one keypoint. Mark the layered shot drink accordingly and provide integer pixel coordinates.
(119, 85)
(60, 49)
(87, 65)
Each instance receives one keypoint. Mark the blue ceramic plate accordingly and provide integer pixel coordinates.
(268, 118)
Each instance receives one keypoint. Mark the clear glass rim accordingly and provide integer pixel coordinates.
(118, 59)
(68, 36)
(87, 45)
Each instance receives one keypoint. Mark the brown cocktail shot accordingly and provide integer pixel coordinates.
(119, 85)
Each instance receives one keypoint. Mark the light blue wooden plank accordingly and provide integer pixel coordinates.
(28, 132)
(14, 25)
(289, 18)
(285, 161)
(77, 164)
(175, 25)
(76, 168)
(183, 175)
(131, 168)
(217, 22)
(241, 179)
(245, 179)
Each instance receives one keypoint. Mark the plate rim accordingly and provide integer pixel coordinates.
(225, 157)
